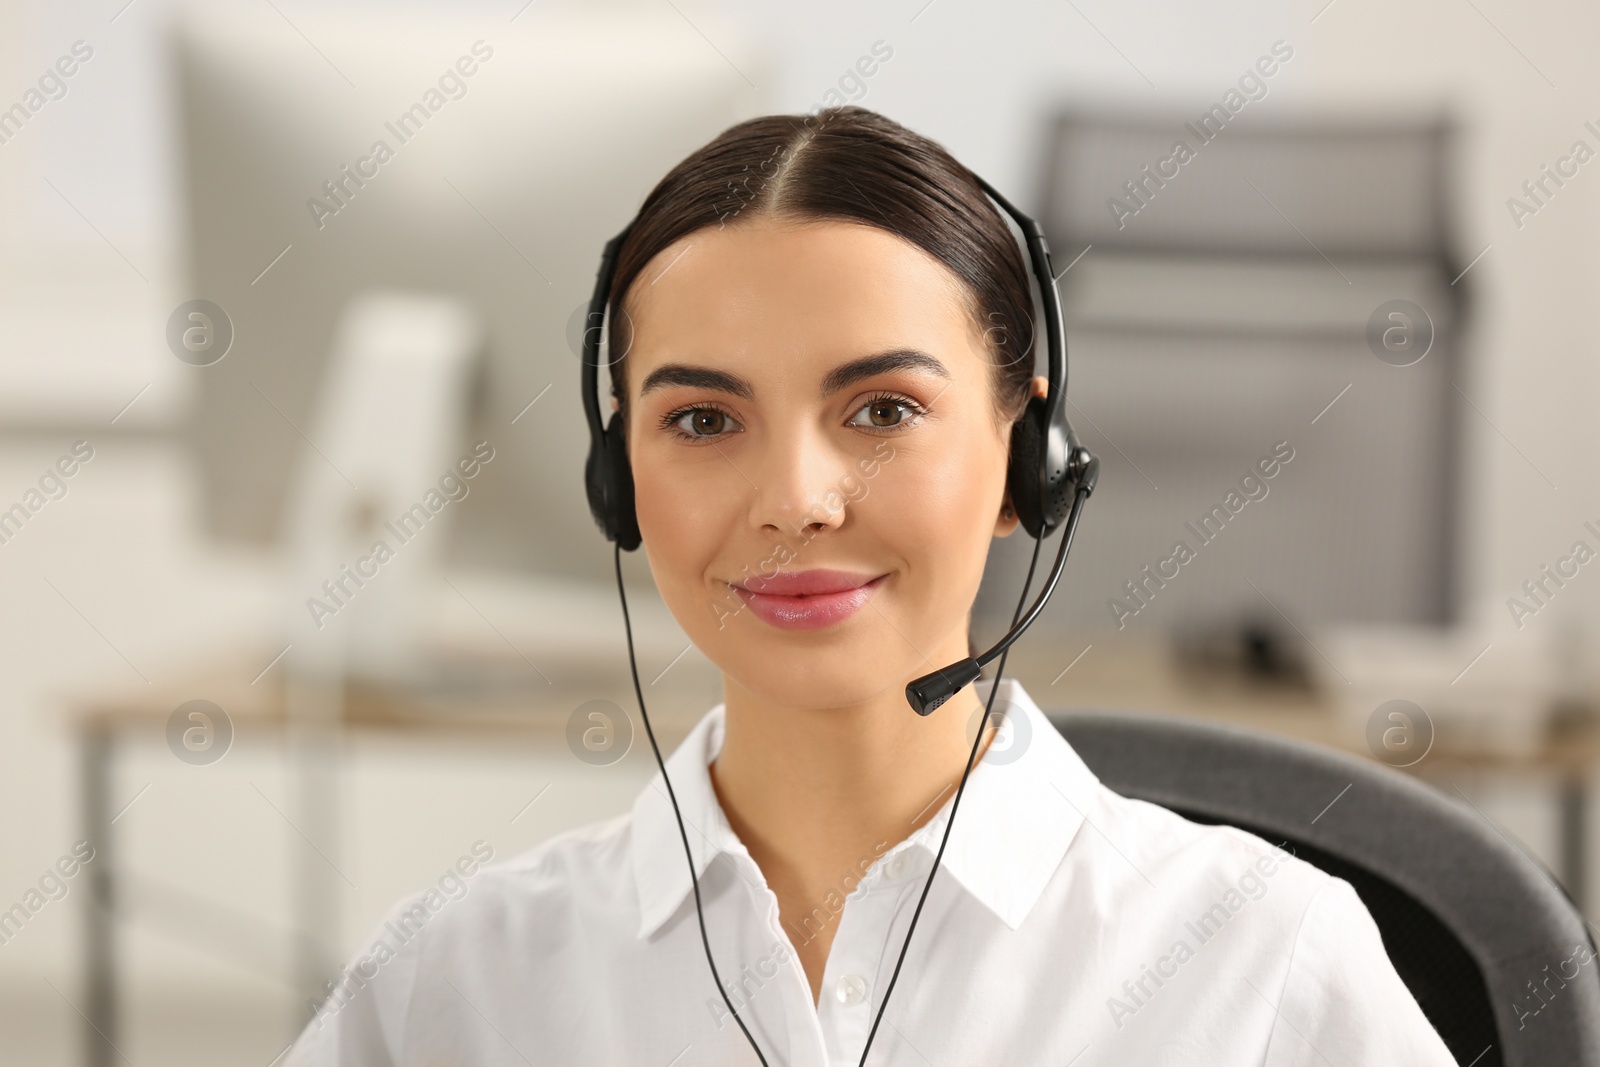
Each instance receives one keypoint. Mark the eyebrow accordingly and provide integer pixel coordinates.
(840, 377)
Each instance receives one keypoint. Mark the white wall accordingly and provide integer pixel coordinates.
(974, 76)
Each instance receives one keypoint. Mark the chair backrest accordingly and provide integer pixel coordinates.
(1495, 953)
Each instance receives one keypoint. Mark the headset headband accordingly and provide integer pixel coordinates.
(1048, 474)
(1047, 464)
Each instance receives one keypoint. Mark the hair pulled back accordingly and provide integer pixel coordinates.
(854, 165)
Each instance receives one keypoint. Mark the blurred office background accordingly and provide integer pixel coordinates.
(1337, 274)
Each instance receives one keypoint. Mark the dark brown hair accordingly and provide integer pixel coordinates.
(848, 164)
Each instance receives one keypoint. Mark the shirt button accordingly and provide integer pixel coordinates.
(895, 867)
(850, 989)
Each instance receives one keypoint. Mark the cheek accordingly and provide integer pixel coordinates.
(684, 521)
(937, 512)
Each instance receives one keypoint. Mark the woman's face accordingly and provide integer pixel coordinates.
(804, 398)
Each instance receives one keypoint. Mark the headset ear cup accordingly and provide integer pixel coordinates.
(619, 487)
(1022, 474)
(621, 477)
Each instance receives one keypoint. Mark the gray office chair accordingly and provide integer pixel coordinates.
(1471, 923)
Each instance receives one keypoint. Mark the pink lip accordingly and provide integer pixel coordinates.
(808, 600)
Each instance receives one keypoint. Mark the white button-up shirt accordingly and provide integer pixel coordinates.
(1069, 925)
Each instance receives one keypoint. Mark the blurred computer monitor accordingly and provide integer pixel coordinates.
(476, 153)
(1281, 294)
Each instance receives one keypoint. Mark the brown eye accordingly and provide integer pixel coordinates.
(707, 422)
(701, 423)
(886, 413)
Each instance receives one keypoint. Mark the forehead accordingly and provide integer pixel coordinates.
(794, 298)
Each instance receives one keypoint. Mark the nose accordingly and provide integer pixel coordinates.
(800, 482)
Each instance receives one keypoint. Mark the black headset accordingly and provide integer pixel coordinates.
(1049, 475)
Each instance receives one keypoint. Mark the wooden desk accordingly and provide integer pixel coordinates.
(493, 701)
(1147, 677)
(500, 701)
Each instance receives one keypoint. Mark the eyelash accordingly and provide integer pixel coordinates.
(669, 421)
(917, 411)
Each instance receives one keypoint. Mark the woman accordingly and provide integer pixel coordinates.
(823, 334)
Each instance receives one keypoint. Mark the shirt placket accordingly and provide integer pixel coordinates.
(790, 991)
(861, 956)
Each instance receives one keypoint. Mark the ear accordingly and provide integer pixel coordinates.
(1007, 522)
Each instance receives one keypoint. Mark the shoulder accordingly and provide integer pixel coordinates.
(587, 870)
(1280, 939)
(508, 918)
(1175, 877)
(597, 848)
(534, 900)
(1187, 851)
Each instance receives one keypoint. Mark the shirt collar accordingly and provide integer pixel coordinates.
(1022, 806)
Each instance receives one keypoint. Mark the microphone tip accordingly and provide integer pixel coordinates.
(928, 692)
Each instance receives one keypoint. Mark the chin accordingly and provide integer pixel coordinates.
(819, 685)
(798, 670)
(852, 661)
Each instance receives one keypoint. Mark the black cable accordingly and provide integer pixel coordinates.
(1005, 651)
(977, 741)
(1050, 586)
(693, 877)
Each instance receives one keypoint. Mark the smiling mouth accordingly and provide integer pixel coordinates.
(808, 600)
